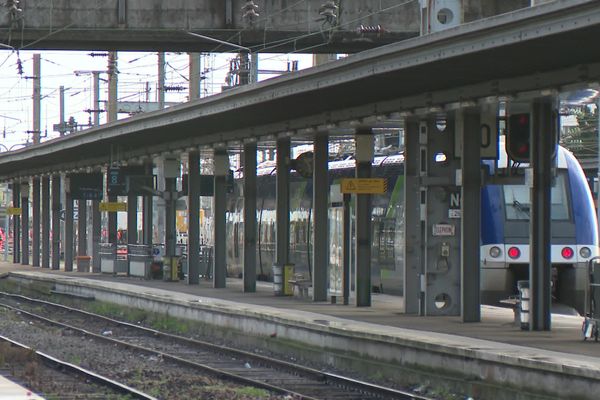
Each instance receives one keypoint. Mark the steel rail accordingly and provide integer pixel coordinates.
(102, 380)
(329, 378)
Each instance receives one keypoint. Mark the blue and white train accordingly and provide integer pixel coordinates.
(504, 237)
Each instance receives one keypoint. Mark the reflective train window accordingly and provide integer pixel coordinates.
(517, 201)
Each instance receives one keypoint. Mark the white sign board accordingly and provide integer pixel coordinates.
(443, 230)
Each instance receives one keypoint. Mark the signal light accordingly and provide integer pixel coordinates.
(517, 143)
(567, 252)
(514, 252)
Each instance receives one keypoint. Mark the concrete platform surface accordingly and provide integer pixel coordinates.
(12, 391)
(496, 339)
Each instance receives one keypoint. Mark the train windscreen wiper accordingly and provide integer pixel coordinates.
(520, 207)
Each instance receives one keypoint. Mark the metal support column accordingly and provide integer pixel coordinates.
(25, 223)
(55, 193)
(147, 226)
(193, 244)
(469, 126)
(221, 168)
(69, 239)
(282, 239)
(132, 223)
(543, 137)
(441, 278)
(112, 222)
(364, 158)
(170, 216)
(347, 238)
(321, 218)
(35, 214)
(45, 222)
(16, 195)
(250, 216)
(413, 245)
(96, 235)
(82, 227)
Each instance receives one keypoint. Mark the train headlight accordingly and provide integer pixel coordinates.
(567, 252)
(585, 252)
(495, 252)
(514, 252)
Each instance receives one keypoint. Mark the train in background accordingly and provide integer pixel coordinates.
(504, 230)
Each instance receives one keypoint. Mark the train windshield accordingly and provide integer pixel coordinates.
(517, 201)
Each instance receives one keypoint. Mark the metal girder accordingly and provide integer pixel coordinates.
(478, 60)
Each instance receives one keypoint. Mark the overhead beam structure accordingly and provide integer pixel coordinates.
(478, 57)
(164, 26)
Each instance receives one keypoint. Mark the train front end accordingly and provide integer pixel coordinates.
(505, 237)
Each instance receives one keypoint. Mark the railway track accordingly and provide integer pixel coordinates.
(226, 363)
(59, 379)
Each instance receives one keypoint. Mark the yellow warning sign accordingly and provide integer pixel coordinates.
(113, 207)
(364, 185)
(13, 210)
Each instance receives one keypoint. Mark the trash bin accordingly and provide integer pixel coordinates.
(523, 287)
(281, 276)
(140, 258)
(83, 263)
(278, 279)
(108, 258)
(171, 268)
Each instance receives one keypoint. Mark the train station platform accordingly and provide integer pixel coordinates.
(10, 390)
(490, 359)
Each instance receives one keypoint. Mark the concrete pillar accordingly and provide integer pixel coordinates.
(56, 206)
(469, 126)
(45, 222)
(544, 135)
(113, 78)
(282, 240)
(250, 233)
(82, 227)
(96, 235)
(25, 223)
(321, 217)
(364, 159)
(194, 89)
(16, 194)
(69, 237)
(221, 168)
(35, 211)
(413, 245)
(193, 244)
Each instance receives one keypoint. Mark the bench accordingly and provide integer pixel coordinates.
(515, 303)
(300, 287)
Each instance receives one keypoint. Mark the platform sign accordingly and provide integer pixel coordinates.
(364, 185)
(113, 207)
(116, 178)
(13, 210)
(86, 186)
(115, 182)
(454, 208)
